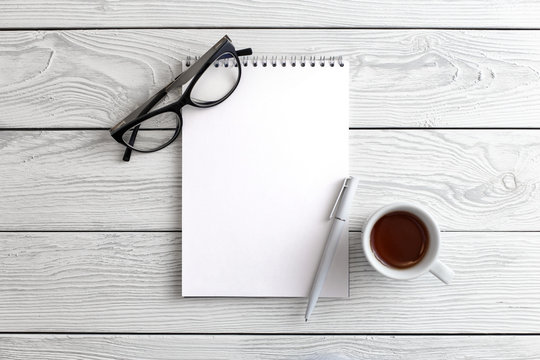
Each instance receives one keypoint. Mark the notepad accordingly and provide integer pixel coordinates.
(260, 174)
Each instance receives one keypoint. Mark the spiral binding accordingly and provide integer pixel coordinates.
(275, 61)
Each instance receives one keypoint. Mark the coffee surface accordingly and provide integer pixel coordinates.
(399, 239)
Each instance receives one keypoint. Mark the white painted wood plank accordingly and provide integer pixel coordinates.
(416, 78)
(131, 282)
(470, 180)
(313, 13)
(76, 180)
(159, 347)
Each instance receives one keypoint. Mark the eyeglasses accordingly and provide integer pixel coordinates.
(147, 129)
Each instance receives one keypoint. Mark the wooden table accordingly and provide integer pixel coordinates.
(445, 111)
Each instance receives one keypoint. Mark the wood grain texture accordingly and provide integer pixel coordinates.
(131, 282)
(76, 180)
(469, 180)
(415, 78)
(312, 13)
(77, 347)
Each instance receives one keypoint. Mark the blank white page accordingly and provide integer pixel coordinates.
(260, 174)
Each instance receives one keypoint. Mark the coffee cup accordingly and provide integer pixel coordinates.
(402, 241)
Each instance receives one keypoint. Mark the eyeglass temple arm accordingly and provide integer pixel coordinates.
(193, 70)
(244, 52)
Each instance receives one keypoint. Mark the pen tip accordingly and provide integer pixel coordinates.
(306, 319)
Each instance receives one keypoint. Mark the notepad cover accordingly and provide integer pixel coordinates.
(260, 173)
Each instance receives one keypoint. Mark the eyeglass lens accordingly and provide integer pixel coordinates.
(153, 132)
(217, 81)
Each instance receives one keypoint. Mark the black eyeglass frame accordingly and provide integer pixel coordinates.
(195, 71)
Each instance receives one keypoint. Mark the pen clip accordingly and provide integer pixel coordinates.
(340, 195)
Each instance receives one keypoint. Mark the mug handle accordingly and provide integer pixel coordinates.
(441, 271)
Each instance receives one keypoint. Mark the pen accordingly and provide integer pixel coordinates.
(339, 213)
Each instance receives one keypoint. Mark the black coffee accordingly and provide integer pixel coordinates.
(399, 239)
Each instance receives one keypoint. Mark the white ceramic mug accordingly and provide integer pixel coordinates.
(430, 262)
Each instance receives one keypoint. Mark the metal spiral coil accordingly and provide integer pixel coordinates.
(275, 61)
(191, 59)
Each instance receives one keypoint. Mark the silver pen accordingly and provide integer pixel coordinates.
(339, 213)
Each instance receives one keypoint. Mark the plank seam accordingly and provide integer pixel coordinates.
(350, 128)
(271, 28)
(93, 333)
(180, 231)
